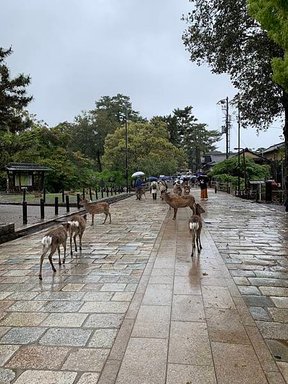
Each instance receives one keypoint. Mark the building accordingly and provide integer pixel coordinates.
(27, 176)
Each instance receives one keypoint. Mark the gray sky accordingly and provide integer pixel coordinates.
(78, 51)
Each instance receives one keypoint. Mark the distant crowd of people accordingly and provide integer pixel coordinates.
(183, 184)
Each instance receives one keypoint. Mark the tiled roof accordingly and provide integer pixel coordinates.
(26, 167)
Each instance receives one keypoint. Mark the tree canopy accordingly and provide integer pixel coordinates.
(273, 17)
(149, 149)
(13, 97)
(90, 129)
(222, 34)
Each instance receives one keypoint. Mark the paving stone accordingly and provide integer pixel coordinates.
(280, 302)
(187, 308)
(139, 351)
(75, 337)
(258, 301)
(259, 313)
(46, 377)
(6, 351)
(89, 378)
(236, 363)
(100, 320)
(6, 376)
(180, 374)
(64, 320)
(251, 291)
(280, 315)
(38, 357)
(86, 359)
(158, 294)
(152, 321)
(279, 349)
(225, 325)
(273, 330)
(61, 306)
(22, 335)
(104, 307)
(189, 344)
(103, 338)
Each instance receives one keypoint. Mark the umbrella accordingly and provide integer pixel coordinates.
(138, 173)
(152, 178)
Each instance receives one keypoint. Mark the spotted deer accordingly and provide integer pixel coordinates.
(97, 208)
(195, 226)
(176, 201)
(77, 225)
(52, 242)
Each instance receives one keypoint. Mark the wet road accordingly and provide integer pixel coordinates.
(134, 293)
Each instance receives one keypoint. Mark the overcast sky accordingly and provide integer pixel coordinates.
(78, 51)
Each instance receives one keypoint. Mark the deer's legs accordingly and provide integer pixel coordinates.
(175, 213)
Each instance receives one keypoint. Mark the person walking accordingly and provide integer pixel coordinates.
(154, 189)
(203, 183)
(138, 188)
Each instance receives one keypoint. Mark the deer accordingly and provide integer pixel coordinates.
(176, 201)
(96, 208)
(195, 226)
(77, 225)
(162, 187)
(186, 189)
(51, 242)
(177, 189)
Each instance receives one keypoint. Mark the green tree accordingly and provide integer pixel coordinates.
(273, 17)
(13, 97)
(149, 149)
(230, 169)
(222, 34)
(193, 137)
(50, 147)
(91, 128)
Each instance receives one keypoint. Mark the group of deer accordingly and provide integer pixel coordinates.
(57, 237)
(176, 200)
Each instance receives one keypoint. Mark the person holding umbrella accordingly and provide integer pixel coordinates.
(138, 184)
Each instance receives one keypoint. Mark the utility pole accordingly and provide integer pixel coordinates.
(227, 128)
(239, 144)
(126, 150)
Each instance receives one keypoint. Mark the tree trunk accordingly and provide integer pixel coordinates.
(99, 161)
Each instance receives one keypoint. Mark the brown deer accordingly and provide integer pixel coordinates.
(96, 208)
(195, 226)
(77, 225)
(51, 242)
(176, 201)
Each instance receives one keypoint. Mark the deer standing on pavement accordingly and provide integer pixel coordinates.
(77, 225)
(96, 208)
(176, 201)
(51, 242)
(195, 226)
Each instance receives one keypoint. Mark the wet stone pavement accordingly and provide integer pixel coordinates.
(133, 307)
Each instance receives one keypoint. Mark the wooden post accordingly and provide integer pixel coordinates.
(67, 204)
(24, 210)
(56, 205)
(42, 213)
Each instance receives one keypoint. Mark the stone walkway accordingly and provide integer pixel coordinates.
(134, 308)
